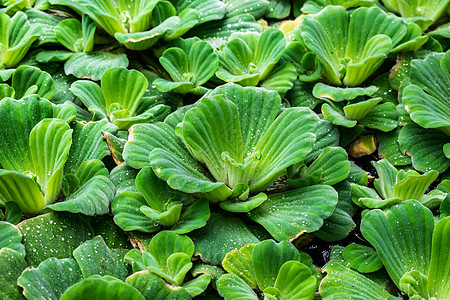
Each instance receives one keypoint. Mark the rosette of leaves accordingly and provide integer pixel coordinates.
(251, 58)
(190, 63)
(169, 257)
(413, 234)
(426, 100)
(330, 167)
(121, 98)
(28, 80)
(274, 269)
(257, 147)
(393, 186)
(349, 106)
(81, 60)
(44, 151)
(34, 154)
(353, 45)
(261, 142)
(422, 12)
(156, 205)
(140, 24)
(17, 35)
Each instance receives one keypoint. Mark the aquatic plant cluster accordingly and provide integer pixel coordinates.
(224, 149)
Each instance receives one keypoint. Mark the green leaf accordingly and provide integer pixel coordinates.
(91, 198)
(203, 62)
(169, 256)
(287, 141)
(340, 223)
(359, 110)
(87, 143)
(145, 39)
(152, 286)
(197, 285)
(426, 99)
(231, 286)
(438, 274)
(53, 235)
(12, 263)
(23, 115)
(50, 279)
(294, 281)
(335, 117)
(6, 91)
(362, 258)
(17, 36)
(277, 254)
(69, 33)
(208, 10)
(195, 216)
(209, 144)
(93, 65)
(21, 189)
(170, 160)
(256, 8)
(269, 50)
(11, 237)
(279, 9)
(408, 9)
(338, 94)
(28, 80)
(50, 142)
(327, 135)
(414, 284)
(217, 33)
(240, 262)
(123, 177)
(425, 146)
(156, 191)
(332, 166)
(212, 247)
(409, 226)
(288, 215)
(13, 214)
(387, 178)
(413, 186)
(46, 21)
(122, 100)
(95, 258)
(107, 288)
(53, 56)
(389, 148)
(127, 214)
(341, 282)
(92, 97)
(382, 117)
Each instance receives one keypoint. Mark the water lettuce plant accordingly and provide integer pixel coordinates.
(17, 36)
(286, 277)
(209, 149)
(396, 186)
(352, 45)
(123, 104)
(250, 59)
(255, 150)
(190, 64)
